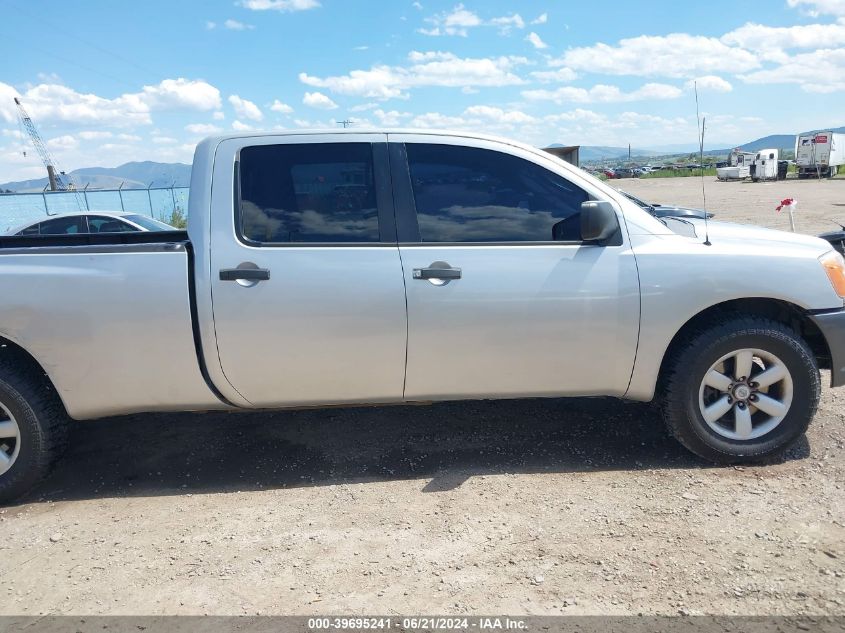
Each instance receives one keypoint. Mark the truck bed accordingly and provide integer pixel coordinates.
(108, 317)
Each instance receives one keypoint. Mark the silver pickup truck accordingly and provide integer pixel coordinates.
(352, 267)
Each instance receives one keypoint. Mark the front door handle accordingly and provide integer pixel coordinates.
(437, 273)
(244, 274)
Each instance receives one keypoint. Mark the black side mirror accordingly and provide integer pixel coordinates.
(598, 221)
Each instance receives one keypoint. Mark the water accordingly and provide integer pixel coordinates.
(19, 208)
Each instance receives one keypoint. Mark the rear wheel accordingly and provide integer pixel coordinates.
(33, 429)
(740, 390)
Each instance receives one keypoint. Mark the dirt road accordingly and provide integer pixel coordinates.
(534, 507)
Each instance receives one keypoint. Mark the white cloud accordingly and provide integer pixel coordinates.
(241, 127)
(674, 55)
(561, 75)
(541, 19)
(283, 108)
(426, 69)
(710, 83)
(363, 47)
(460, 20)
(819, 7)
(318, 100)
(203, 129)
(417, 6)
(454, 22)
(818, 72)
(499, 115)
(603, 94)
(218, 116)
(284, 6)
(234, 25)
(210, 26)
(182, 93)
(245, 109)
(535, 41)
(771, 42)
(65, 142)
(164, 140)
(363, 107)
(51, 103)
(508, 22)
(90, 135)
(393, 118)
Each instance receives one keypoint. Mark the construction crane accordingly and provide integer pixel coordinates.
(59, 181)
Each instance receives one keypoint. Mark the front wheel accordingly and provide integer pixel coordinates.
(741, 390)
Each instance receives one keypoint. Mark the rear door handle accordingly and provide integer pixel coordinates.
(437, 273)
(244, 274)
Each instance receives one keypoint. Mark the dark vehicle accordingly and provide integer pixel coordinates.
(625, 172)
(837, 238)
(92, 222)
(663, 211)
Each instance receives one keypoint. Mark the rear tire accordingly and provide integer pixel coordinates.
(33, 429)
(713, 411)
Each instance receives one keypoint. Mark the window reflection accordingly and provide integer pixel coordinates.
(322, 192)
(466, 194)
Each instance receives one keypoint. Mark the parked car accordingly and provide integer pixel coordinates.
(665, 210)
(626, 172)
(91, 222)
(467, 267)
(609, 173)
(836, 238)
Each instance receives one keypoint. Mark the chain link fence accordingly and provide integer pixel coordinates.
(161, 203)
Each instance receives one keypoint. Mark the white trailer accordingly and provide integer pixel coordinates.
(765, 165)
(738, 167)
(819, 155)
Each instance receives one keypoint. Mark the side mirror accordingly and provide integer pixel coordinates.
(598, 221)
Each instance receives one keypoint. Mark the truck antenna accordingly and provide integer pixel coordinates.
(701, 125)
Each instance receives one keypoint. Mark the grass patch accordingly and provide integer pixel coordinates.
(680, 173)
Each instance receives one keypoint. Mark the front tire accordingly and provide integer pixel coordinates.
(33, 429)
(740, 390)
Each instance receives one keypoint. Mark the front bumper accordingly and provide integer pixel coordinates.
(832, 326)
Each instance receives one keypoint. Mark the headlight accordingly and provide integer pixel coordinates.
(834, 266)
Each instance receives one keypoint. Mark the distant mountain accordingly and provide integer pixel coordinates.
(136, 175)
(589, 153)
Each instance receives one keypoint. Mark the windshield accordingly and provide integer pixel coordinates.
(149, 223)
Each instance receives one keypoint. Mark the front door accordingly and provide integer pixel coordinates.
(504, 300)
(307, 289)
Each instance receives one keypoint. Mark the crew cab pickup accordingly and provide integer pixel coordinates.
(352, 267)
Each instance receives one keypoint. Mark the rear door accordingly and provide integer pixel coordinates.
(504, 300)
(307, 290)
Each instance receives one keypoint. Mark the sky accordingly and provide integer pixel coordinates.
(107, 81)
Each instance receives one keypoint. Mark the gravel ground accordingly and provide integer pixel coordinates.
(533, 507)
(820, 202)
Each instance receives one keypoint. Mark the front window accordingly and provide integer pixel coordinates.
(466, 194)
(108, 224)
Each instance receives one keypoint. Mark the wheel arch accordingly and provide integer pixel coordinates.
(775, 309)
(13, 353)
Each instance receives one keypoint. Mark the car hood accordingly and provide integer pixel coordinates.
(745, 234)
(663, 210)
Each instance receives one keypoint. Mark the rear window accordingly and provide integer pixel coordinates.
(316, 192)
